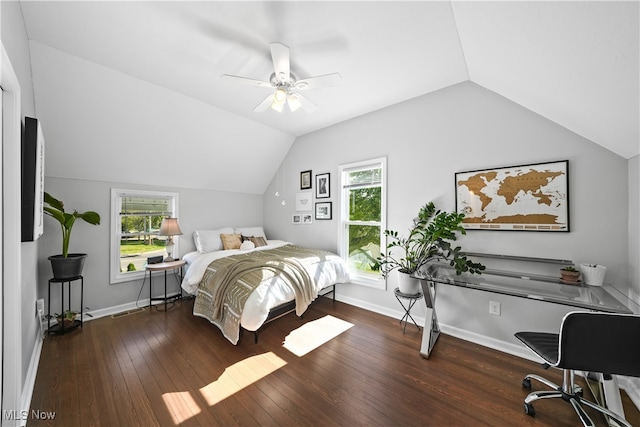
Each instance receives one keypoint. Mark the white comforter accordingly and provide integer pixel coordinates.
(269, 293)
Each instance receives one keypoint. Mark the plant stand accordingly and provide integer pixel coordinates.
(412, 299)
(60, 328)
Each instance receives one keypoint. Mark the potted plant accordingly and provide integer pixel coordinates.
(66, 265)
(593, 274)
(67, 318)
(429, 239)
(569, 274)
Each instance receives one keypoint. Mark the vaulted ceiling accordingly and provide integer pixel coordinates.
(576, 63)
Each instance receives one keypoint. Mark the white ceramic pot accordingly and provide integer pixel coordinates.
(408, 285)
(593, 275)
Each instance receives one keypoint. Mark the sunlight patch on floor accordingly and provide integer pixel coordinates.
(240, 375)
(313, 334)
(181, 406)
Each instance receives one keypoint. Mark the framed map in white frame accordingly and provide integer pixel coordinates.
(531, 197)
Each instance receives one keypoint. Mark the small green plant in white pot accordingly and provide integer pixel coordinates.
(593, 274)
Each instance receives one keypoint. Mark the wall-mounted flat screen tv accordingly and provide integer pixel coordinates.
(32, 180)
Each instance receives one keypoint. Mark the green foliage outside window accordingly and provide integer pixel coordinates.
(365, 204)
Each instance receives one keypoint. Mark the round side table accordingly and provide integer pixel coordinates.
(411, 301)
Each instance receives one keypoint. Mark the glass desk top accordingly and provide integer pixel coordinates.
(604, 298)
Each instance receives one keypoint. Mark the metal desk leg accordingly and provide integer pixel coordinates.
(431, 330)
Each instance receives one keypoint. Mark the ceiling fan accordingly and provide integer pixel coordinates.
(286, 84)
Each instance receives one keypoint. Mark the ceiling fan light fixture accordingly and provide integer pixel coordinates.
(277, 107)
(294, 102)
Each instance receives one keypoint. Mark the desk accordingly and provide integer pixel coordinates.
(604, 298)
(163, 266)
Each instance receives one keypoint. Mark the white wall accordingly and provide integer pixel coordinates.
(14, 40)
(199, 209)
(634, 227)
(466, 127)
(103, 125)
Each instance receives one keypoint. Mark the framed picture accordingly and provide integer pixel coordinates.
(323, 210)
(305, 180)
(296, 219)
(306, 218)
(32, 215)
(303, 201)
(531, 197)
(323, 185)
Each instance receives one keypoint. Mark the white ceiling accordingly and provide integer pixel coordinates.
(576, 63)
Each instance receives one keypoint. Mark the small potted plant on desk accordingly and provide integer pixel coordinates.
(429, 240)
(569, 275)
(66, 265)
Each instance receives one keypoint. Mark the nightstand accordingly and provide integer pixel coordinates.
(164, 266)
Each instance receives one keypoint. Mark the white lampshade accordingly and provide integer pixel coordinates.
(170, 227)
(279, 98)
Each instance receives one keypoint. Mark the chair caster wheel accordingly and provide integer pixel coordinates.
(526, 383)
(528, 409)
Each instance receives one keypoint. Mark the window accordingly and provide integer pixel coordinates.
(363, 219)
(135, 220)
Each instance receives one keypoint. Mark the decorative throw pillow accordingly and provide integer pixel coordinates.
(258, 241)
(250, 231)
(246, 245)
(231, 241)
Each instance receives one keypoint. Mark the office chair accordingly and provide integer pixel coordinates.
(590, 342)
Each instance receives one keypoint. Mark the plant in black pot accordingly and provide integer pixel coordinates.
(429, 239)
(66, 265)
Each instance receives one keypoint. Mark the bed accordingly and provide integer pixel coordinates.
(241, 280)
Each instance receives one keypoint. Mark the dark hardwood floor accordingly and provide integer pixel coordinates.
(164, 369)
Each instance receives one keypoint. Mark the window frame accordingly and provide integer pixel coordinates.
(372, 281)
(117, 195)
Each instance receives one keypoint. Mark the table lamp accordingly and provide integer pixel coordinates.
(169, 227)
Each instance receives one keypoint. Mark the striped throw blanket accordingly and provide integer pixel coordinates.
(229, 281)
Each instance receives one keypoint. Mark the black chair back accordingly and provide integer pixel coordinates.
(600, 342)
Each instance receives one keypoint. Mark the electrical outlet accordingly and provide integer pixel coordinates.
(494, 308)
(40, 307)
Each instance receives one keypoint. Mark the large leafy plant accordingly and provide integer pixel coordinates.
(55, 209)
(429, 239)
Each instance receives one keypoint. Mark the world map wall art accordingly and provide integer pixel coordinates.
(519, 198)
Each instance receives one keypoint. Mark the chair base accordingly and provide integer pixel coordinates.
(569, 392)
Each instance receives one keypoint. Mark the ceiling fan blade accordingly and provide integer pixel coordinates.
(327, 80)
(246, 81)
(266, 103)
(305, 104)
(281, 61)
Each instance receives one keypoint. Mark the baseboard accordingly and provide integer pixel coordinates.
(109, 311)
(30, 380)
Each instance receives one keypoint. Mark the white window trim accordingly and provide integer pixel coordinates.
(377, 282)
(116, 198)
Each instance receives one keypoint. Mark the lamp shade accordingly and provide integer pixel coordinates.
(170, 227)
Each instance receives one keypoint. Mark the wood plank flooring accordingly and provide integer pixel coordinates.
(165, 369)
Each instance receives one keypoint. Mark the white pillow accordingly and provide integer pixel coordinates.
(250, 232)
(246, 245)
(209, 240)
